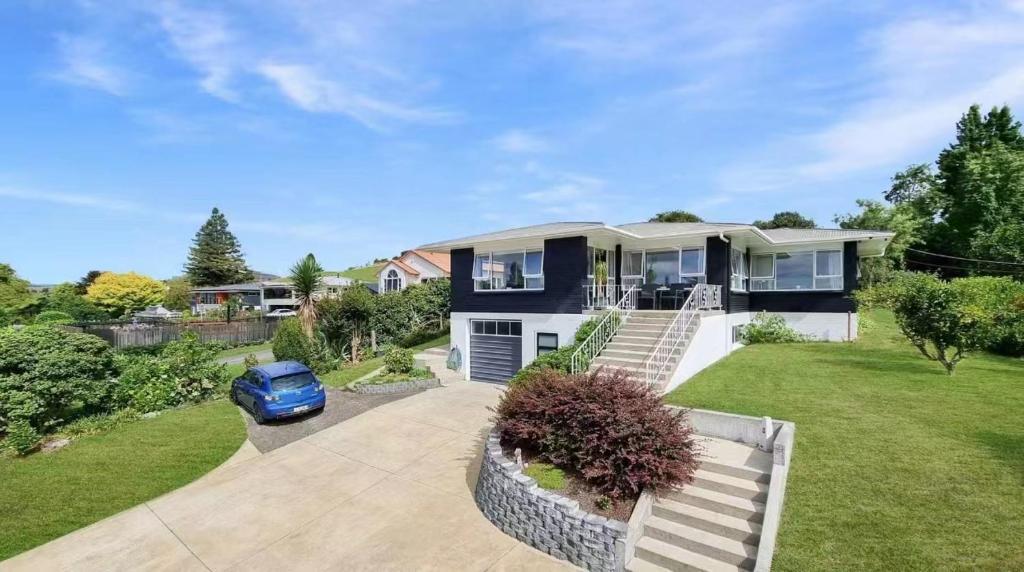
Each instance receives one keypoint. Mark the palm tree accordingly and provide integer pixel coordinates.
(307, 278)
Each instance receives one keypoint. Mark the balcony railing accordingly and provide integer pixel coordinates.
(598, 296)
(702, 297)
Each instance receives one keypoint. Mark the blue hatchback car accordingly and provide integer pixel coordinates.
(279, 389)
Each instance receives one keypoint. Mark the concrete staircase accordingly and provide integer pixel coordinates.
(636, 339)
(713, 523)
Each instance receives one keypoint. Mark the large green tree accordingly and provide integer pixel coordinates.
(216, 255)
(14, 292)
(979, 194)
(676, 216)
(178, 296)
(901, 219)
(786, 219)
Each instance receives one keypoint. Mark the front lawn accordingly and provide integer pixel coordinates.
(246, 350)
(45, 496)
(896, 465)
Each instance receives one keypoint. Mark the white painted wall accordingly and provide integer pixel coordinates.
(712, 342)
(565, 325)
(825, 326)
(425, 268)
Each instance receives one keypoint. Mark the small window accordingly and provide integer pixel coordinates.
(497, 328)
(254, 379)
(546, 343)
(491, 328)
(633, 263)
(478, 327)
(503, 328)
(516, 328)
(691, 262)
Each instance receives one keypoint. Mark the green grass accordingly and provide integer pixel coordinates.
(364, 273)
(245, 350)
(896, 466)
(48, 495)
(548, 476)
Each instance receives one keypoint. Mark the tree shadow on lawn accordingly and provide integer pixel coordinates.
(1006, 448)
(890, 362)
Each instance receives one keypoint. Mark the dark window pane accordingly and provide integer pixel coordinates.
(478, 327)
(516, 328)
(490, 328)
(546, 343)
(502, 328)
(794, 271)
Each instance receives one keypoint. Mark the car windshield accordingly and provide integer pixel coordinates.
(293, 381)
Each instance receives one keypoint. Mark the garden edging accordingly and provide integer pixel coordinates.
(547, 521)
(395, 386)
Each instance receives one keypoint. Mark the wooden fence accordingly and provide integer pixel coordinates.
(149, 335)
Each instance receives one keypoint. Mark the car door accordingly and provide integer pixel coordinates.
(253, 384)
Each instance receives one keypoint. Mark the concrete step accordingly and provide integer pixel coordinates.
(746, 509)
(701, 541)
(669, 313)
(710, 521)
(641, 565)
(660, 320)
(735, 486)
(637, 362)
(618, 344)
(734, 471)
(627, 353)
(678, 559)
(637, 337)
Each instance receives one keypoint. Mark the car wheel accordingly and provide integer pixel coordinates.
(257, 416)
(234, 396)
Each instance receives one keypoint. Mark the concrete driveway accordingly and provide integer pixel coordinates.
(390, 489)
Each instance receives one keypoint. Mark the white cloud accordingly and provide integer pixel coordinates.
(519, 141)
(204, 40)
(311, 91)
(85, 63)
(922, 75)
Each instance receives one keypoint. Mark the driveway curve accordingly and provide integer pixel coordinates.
(390, 489)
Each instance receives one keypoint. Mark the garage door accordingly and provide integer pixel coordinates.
(495, 349)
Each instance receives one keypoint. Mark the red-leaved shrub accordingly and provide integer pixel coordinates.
(605, 425)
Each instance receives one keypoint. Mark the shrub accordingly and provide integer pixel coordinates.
(999, 301)
(145, 383)
(393, 317)
(609, 428)
(185, 371)
(21, 436)
(768, 328)
(101, 423)
(938, 319)
(291, 344)
(54, 317)
(47, 373)
(250, 361)
(398, 360)
(422, 336)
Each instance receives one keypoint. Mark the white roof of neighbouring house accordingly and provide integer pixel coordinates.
(651, 230)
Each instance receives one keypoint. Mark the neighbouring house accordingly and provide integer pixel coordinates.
(158, 312)
(413, 267)
(264, 296)
(679, 292)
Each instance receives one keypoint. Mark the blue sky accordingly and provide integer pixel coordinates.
(356, 130)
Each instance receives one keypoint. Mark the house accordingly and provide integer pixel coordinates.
(265, 296)
(158, 312)
(413, 267)
(680, 292)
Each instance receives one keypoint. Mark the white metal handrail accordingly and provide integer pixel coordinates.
(702, 297)
(613, 319)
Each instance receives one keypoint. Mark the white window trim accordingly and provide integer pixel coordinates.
(537, 340)
(744, 275)
(388, 279)
(508, 335)
(814, 271)
(490, 277)
(679, 262)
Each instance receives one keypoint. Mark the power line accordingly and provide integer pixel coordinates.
(1012, 272)
(966, 259)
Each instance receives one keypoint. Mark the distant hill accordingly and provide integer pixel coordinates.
(363, 273)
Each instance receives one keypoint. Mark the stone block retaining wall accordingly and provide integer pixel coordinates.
(547, 521)
(396, 386)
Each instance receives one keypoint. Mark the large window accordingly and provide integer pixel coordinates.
(738, 269)
(392, 282)
(805, 270)
(665, 267)
(633, 264)
(519, 270)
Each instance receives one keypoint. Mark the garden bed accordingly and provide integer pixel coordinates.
(573, 486)
(377, 386)
(548, 521)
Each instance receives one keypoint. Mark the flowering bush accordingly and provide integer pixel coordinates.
(768, 328)
(607, 427)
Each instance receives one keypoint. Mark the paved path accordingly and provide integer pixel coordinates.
(390, 489)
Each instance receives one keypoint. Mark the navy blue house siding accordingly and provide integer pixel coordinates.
(565, 271)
